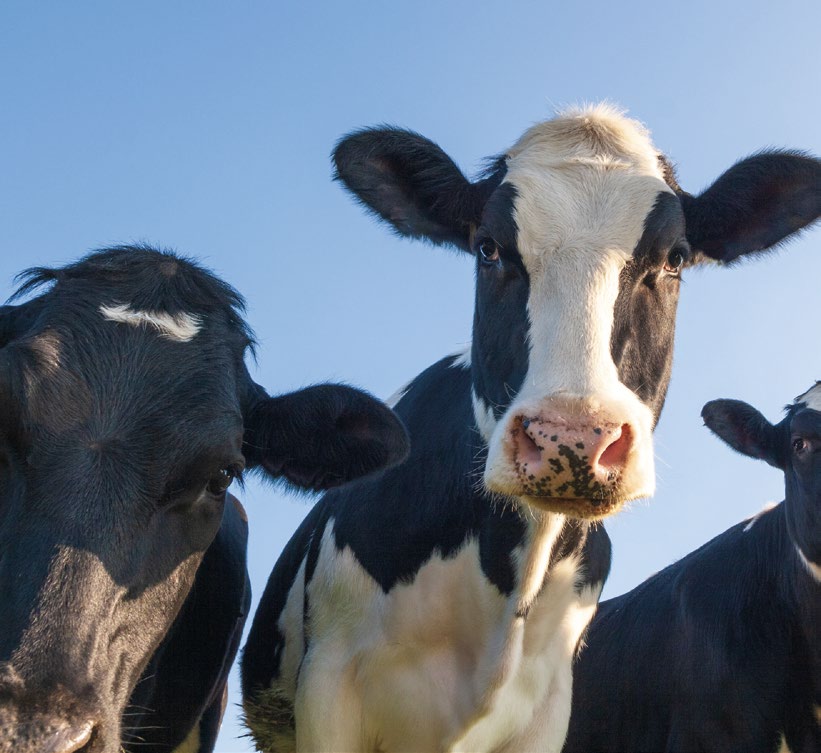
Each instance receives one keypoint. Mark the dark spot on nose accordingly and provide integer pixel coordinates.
(554, 438)
(525, 422)
(597, 431)
(580, 445)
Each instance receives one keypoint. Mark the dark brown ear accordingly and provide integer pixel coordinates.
(743, 428)
(323, 436)
(757, 204)
(410, 183)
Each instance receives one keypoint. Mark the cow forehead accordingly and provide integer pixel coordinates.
(585, 180)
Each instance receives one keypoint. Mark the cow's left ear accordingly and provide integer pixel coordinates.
(743, 428)
(755, 205)
(323, 436)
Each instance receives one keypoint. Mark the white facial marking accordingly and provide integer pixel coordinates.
(752, 521)
(812, 397)
(783, 748)
(585, 184)
(180, 327)
(483, 415)
(813, 568)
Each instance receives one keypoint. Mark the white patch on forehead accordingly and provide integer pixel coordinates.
(763, 511)
(813, 568)
(812, 397)
(586, 182)
(181, 327)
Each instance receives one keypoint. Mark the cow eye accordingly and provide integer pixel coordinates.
(800, 446)
(488, 251)
(675, 259)
(219, 483)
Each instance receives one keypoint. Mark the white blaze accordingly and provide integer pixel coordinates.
(181, 327)
(581, 206)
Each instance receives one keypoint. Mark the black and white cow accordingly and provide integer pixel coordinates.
(126, 411)
(720, 652)
(438, 606)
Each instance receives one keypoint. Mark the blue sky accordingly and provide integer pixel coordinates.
(206, 127)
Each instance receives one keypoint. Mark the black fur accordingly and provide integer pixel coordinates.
(116, 444)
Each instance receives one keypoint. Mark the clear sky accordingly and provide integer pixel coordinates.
(206, 127)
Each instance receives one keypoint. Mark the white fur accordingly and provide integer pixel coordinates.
(782, 747)
(812, 397)
(443, 663)
(580, 208)
(462, 359)
(483, 415)
(392, 401)
(754, 519)
(813, 568)
(180, 327)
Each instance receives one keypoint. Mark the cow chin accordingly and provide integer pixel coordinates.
(583, 509)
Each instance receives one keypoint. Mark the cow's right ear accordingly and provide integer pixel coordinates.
(323, 436)
(743, 428)
(410, 183)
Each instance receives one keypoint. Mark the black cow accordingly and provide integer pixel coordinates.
(126, 412)
(179, 701)
(438, 606)
(721, 651)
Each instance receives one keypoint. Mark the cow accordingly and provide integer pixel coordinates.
(721, 651)
(438, 605)
(126, 411)
(179, 701)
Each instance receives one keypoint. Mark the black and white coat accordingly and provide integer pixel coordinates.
(438, 606)
(126, 410)
(720, 652)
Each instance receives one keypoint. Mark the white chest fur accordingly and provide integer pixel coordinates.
(445, 662)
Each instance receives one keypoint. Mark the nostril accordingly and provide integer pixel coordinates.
(615, 454)
(70, 740)
(527, 447)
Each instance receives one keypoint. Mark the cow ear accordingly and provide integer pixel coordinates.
(755, 205)
(743, 428)
(410, 183)
(323, 436)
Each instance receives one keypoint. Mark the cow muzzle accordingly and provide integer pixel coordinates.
(583, 457)
(27, 731)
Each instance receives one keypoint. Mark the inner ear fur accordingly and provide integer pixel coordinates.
(410, 183)
(757, 204)
(744, 429)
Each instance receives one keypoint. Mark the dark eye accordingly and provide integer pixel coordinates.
(219, 483)
(800, 445)
(674, 261)
(488, 251)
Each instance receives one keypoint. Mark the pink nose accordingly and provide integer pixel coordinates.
(576, 458)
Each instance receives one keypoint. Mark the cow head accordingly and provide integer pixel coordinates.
(126, 411)
(580, 235)
(794, 446)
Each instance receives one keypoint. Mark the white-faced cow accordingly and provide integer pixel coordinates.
(438, 606)
(720, 652)
(126, 411)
